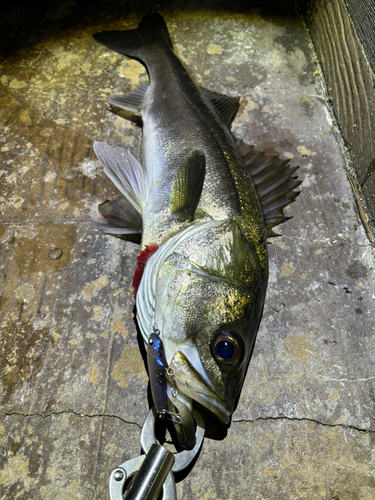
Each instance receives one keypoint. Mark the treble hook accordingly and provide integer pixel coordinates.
(155, 469)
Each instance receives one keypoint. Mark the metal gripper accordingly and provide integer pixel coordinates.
(154, 470)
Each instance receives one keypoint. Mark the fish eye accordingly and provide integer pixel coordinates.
(226, 348)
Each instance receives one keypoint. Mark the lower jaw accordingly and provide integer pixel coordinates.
(185, 429)
(214, 428)
(191, 385)
(218, 410)
(182, 405)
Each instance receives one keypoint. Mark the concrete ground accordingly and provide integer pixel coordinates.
(73, 383)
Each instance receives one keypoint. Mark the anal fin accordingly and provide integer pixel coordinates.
(131, 103)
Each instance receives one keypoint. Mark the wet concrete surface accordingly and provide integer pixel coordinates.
(73, 383)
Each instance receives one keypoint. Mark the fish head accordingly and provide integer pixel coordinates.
(209, 295)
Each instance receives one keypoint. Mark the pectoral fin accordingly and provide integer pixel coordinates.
(187, 187)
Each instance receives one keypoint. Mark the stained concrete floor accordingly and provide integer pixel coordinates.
(73, 384)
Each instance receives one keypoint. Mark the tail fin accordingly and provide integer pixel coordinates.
(151, 29)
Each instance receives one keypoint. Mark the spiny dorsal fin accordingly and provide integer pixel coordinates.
(187, 187)
(274, 182)
(226, 106)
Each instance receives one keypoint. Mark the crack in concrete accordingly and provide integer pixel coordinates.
(70, 412)
(44, 219)
(358, 429)
(97, 415)
(346, 379)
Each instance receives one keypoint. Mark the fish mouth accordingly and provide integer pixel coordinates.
(188, 381)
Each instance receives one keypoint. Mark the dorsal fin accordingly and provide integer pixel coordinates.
(274, 182)
(226, 106)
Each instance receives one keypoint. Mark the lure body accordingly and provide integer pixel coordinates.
(157, 367)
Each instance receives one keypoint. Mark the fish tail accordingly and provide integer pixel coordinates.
(152, 28)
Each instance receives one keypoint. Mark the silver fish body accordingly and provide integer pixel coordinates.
(177, 121)
(204, 287)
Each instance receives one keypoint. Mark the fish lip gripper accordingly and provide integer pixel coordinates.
(154, 469)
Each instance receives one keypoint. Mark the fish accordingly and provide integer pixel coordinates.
(201, 204)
